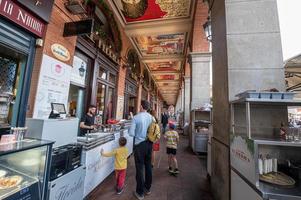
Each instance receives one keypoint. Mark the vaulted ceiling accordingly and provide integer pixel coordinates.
(159, 30)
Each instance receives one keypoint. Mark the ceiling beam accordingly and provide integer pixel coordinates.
(168, 58)
(165, 72)
(159, 27)
(167, 81)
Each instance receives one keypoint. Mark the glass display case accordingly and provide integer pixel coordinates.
(265, 162)
(24, 169)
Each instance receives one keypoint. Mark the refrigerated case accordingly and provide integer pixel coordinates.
(255, 137)
(24, 169)
(62, 131)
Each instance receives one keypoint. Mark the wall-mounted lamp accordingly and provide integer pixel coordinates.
(82, 70)
(207, 29)
(75, 7)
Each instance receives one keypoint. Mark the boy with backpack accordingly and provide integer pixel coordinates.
(172, 140)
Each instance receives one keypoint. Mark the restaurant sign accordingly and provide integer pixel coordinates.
(15, 13)
(60, 52)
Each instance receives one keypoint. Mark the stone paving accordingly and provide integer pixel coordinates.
(190, 184)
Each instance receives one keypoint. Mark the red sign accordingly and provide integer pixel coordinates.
(15, 13)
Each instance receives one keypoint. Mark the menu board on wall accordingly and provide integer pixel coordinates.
(79, 71)
(53, 86)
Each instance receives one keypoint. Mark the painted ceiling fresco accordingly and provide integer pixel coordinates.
(145, 10)
(171, 44)
(167, 77)
(161, 48)
(172, 66)
(169, 85)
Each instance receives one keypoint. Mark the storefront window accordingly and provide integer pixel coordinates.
(12, 66)
(76, 101)
(112, 78)
(106, 93)
(130, 99)
(110, 104)
(101, 100)
(77, 91)
(144, 95)
(102, 73)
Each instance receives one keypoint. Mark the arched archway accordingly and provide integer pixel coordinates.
(134, 68)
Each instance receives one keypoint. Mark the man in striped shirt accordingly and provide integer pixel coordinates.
(172, 140)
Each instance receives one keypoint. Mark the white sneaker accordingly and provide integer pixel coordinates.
(139, 197)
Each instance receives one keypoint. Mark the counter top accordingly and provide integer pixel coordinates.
(276, 142)
(93, 140)
(25, 144)
(270, 191)
(53, 120)
(286, 102)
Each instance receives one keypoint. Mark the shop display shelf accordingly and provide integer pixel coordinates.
(280, 192)
(248, 94)
(255, 137)
(27, 182)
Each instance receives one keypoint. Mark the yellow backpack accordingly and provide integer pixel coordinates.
(153, 132)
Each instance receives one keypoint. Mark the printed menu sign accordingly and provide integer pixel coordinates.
(53, 87)
(242, 157)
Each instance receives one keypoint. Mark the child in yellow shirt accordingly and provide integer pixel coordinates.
(172, 139)
(120, 154)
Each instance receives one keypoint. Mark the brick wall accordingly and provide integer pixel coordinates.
(126, 45)
(199, 40)
(54, 34)
(187, 66)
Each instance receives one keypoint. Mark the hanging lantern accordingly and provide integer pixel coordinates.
(207, 29)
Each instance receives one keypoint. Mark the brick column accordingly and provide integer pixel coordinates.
(158, 104)
(139, 95)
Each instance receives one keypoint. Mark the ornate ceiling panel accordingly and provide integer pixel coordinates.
(156, 45)
(159, 30)
(167, 77)
(148, 10)
(171, 66)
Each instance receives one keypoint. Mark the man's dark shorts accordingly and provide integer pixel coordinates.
(171, 151)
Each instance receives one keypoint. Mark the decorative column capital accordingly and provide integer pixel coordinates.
(195, 57)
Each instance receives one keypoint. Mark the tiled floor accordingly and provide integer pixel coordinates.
(190, 184)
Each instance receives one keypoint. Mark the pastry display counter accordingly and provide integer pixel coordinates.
(91, 140)
(24, 169)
